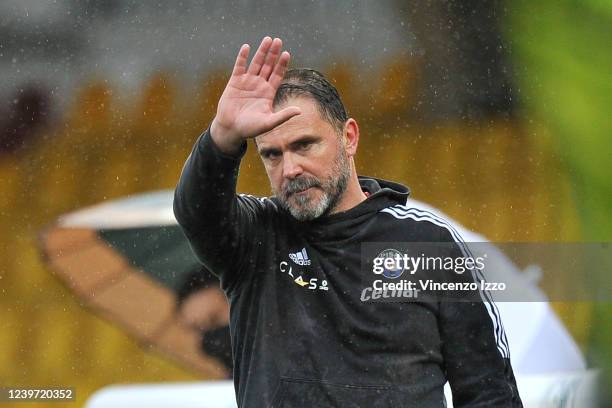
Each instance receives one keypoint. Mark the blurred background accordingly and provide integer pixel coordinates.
(496, 112)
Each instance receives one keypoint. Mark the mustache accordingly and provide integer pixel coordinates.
(300, 184)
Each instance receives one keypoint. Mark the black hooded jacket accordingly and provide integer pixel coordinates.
(301, 334)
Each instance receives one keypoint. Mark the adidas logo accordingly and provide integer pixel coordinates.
(300, 257)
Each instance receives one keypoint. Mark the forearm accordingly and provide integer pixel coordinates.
(474, 345)
(478, 372)
(205, 196)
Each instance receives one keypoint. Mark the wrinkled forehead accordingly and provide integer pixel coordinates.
(309, 122)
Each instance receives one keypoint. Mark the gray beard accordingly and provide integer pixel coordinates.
(304, 208)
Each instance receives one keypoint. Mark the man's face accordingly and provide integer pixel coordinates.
(306, 162)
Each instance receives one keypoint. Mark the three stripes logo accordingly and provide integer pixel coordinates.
(300, 257)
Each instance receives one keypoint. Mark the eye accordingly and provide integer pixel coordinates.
(304, 145)
(271, 154)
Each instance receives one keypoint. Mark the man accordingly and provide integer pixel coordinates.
(290, 265)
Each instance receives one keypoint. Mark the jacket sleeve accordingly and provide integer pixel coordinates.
(474, 346)
(219, 224)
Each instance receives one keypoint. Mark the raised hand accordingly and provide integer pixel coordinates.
(245, 107)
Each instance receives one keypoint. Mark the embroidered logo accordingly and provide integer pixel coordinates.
(300, 257)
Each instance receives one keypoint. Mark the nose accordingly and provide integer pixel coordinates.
(291, 166)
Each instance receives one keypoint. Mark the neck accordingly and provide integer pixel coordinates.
(352, 197)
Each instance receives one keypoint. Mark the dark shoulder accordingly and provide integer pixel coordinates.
(426, 224)
(260, 206)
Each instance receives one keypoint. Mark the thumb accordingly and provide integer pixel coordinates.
(283, 115)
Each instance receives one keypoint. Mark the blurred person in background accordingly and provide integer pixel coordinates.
(202, 305)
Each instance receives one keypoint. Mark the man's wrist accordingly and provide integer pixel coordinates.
(207, 142)
(227, 144)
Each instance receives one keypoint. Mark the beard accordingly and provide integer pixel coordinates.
(309, 206)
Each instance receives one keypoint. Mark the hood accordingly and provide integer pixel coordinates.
(393, 190)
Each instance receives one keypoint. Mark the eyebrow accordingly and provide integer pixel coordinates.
(263, 151)
(303, 139)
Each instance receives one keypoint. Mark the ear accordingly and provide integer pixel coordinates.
(351, 137)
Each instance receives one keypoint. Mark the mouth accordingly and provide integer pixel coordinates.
(301, 192)
(304, 191)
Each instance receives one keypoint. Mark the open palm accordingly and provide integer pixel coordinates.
(245, 108)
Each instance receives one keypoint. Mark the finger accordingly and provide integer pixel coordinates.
(282, 116)
(241, 60)
(260, 56)
(271, 58)
(279, 70)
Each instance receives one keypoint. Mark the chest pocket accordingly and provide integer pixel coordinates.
(301, 393)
